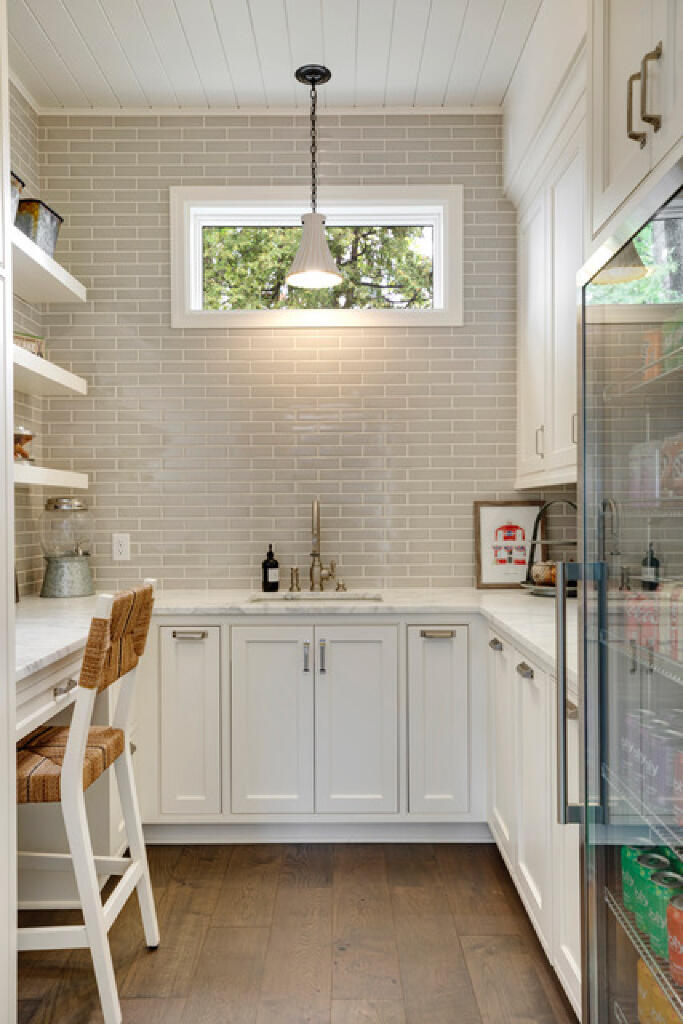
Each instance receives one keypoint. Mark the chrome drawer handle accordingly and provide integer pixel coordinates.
(307, 656)
(62, 689)
(437, 634)
(525, 671)
(540, 448)
(495, 644)
(190, 634)
(323, 655)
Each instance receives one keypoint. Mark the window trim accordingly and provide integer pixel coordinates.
(190, 209)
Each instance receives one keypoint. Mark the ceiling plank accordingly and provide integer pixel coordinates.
(199, 24)
(237, 36)
(410, 23)
(98, 34)
(55, 20)
(513, 30)
(477, 35)
(30, 77)
(170, 43)
(271, 33)
(304, 23)
(340, 27)
(137, 44)
(375, 22)
(441, 39)
(43, 54)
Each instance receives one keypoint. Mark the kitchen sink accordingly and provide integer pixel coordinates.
(304, 597)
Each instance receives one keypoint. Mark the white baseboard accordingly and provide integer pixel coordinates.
(352, 832)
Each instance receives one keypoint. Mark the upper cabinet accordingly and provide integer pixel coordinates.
(636, 99)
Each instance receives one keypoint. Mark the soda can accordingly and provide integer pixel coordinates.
(674, 924)
(675, 855)
(629, 864)
(663, 886)
(647, 865)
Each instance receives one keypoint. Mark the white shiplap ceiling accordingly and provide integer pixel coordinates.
(241, 54)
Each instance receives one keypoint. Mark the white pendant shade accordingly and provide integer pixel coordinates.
(624, 267)
(313, 265)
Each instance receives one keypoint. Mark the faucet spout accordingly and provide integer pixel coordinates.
(319, 573)
(315, 527)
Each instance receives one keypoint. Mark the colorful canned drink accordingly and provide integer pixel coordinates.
(674, 923)
(663, 886)
(675, 855)
(629, 866)
(648, 864)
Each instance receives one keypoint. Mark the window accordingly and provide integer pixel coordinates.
(399, 251)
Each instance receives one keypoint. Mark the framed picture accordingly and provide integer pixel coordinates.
(502, 541)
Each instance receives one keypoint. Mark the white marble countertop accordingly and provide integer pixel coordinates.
(48, 630)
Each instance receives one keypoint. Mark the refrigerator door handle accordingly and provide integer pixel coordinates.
(567, 814)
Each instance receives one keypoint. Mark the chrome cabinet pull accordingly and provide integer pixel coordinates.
(323, 655)
(540, 430)
(437, 634)
(654, 119)
(575, 431)
(495, 644)
(190, 634)
(133, 748)
(307, 656)
(635, 136)
(63, 688)
(525, 671)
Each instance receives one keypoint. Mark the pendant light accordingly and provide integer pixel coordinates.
(625, 266)
(313, 265)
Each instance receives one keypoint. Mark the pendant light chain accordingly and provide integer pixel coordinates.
(314, 149)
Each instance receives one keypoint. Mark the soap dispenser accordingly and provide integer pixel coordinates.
(270, 572)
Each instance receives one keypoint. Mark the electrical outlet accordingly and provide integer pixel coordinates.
(120, 547)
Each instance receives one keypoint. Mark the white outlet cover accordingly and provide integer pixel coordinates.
(120, 547)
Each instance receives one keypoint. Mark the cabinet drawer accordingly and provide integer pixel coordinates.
(44, 694)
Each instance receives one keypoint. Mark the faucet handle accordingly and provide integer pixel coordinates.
(333, 569)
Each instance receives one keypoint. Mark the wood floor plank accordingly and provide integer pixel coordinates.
(226, 985)
(506, 980)
(365, 959)
(247, 894)
(411, 864)
(306, 865)
(480, 892)
(436, 983)
(299, 958)
(365, 1011)
(287, 1010)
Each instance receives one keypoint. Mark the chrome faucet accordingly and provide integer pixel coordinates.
(319, 573)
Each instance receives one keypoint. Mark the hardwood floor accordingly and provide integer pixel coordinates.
(314, 934)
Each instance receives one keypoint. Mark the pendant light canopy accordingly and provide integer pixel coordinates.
(625, 266)
(313, 265)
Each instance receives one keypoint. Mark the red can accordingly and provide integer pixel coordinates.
(674, 924)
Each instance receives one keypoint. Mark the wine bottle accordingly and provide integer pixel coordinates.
(270, 572)
(650, 573)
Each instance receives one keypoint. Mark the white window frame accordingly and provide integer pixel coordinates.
(193, 208)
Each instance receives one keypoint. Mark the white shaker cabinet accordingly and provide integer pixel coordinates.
(272, 719)
(532, 271)
(438, 720)
(666, 76)
(502, 795)
(356, 719)
(189, 730)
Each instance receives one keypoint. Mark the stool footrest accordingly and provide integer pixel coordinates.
(61, 861)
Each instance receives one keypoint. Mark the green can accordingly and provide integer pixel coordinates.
(647, 865)
(664, 885)
(629, 866)
(675, 855)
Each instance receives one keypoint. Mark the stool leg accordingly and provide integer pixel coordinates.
(136, 841)
(78, 835)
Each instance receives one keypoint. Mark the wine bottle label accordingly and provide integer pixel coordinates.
(649, 572)
(273, 575)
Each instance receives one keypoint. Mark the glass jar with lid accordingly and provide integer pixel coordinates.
(66, 536)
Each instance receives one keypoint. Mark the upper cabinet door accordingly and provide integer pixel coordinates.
(356, 716)
(566, 221)
(438, 720)
(665, 76)
(272, 719)
(533, 281)
(621, 36)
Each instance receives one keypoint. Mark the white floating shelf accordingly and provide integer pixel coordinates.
(39, 278)
(28, 475)
(36, 376)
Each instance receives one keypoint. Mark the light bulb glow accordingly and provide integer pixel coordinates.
(313, 265)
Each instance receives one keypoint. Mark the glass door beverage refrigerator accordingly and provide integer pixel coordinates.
(630, 570)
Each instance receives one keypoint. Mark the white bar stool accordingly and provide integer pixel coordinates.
(58, 763)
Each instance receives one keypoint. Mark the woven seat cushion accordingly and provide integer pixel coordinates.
(41, 754)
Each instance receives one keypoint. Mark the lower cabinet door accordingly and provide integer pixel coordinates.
(356, 719)
(534, 823)
(438, 720)
(272, 719)
(190, 749)
(567, 879)
(502, 796)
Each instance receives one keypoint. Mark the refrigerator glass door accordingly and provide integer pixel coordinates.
(633, 617)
